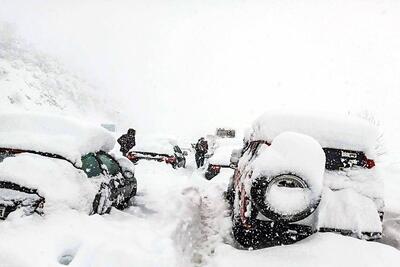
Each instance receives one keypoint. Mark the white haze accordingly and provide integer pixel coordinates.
(185, 67)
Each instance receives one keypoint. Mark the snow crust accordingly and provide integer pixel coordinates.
(329, 129)
(55, 134)
(61, 184)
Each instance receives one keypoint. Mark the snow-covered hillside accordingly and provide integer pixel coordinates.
(30, 80)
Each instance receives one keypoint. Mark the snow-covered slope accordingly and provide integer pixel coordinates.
(30, 80)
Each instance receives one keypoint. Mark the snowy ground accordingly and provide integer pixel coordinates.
(178, 219)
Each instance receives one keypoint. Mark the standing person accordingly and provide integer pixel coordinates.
(201, 150)
(127, 141)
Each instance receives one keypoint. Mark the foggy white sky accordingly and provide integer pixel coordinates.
(209, 63)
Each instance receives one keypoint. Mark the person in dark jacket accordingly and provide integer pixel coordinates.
(201, 150)
(127, 141)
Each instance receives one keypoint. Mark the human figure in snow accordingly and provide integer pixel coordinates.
(201, 150)
(127, 141)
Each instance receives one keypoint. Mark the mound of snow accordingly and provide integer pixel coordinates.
(60, 183)
(292, 153)
(322, 249)
(288, 200)
(347, 209)
(59, 135)
(222, 150)
(330, 130)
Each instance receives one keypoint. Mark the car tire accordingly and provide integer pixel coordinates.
(230, 194)
(101, 202)
(262, 234)
(258, 192)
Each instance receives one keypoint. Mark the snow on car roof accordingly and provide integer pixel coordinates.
(157, 144)
(330, 130)
(55, 134)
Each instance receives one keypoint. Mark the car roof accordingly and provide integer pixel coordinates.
(329, 129)
(54, 134)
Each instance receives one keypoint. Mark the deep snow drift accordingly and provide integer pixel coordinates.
(178, 219)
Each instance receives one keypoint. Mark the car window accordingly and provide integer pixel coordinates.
(111, 165)
(91, 166)
(177, 149)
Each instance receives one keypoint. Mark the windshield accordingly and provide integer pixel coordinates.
(91, 166)
(177, 149)
(109, 163)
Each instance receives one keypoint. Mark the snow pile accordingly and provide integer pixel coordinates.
(291, 153)
(61, 184)
(222, 150)
(330, 130)
(287, 201)
(347, 209)
(143, 235)
(321, 249)
(32, 81)
(351, 199)
(53, 134)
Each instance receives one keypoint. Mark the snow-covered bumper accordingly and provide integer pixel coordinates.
(13, 197)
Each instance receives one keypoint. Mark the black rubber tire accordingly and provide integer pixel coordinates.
(230, 194)
(264, 234)
(258, 191)
(99, 203)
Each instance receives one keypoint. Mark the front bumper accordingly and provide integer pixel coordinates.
(13, 197)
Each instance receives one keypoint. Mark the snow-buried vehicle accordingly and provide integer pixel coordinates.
(220, 156)
(303, 173)
(161, 149)
(50, 163)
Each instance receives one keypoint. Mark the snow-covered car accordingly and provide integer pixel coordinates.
(220, 156)
(158, 149)
(50, 163)
(225, 133)
(303, 173)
